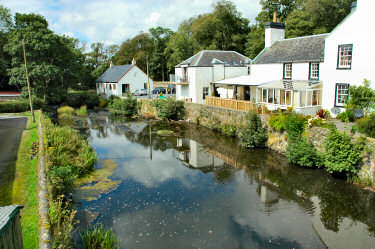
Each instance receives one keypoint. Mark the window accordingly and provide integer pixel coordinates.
(314, 71)
(205, 92)
(145, 85)
(310, 97)
(114, 87)
(342, 94)
(264, 95)
(288, 71)
(344, 60)
(110, 86)
(248, 70)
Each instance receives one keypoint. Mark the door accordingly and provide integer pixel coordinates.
(125, 89)
(247, 93)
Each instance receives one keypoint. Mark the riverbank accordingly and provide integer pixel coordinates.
(227, 120)
(26, 183)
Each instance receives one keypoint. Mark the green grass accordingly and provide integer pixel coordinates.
(26, 182)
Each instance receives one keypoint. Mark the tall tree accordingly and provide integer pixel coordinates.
(6, 24)
(52, 59)
(158, 62)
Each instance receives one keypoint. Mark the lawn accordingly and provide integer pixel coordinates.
(26, 182)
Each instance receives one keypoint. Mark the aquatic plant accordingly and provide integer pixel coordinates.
(99, 238)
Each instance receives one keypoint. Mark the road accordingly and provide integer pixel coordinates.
(11, 128)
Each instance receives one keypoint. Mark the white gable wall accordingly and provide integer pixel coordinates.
(136, 78)
(358, 30)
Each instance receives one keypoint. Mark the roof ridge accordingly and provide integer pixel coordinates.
(302, 37)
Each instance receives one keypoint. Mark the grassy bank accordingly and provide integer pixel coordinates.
(26, 182)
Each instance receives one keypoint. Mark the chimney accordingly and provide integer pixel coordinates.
(275, 31)
(133, 62)
(353, 6)
(110, 64)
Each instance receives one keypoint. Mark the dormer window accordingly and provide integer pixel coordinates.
(287, 71)
(314, 71)
(344, 60)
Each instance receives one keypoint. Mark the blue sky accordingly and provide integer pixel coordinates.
(113, 21)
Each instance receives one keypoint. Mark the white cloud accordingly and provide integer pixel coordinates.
(113, 21)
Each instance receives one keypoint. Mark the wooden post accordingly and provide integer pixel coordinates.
(28, 81)
(148, 81)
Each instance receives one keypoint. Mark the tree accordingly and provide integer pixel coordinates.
(158, 62)
(299, 24)
(6, 22)
(52, 59)
(361, 97)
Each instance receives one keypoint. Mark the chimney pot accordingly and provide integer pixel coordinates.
(274, 16)
(133, 62)
(110, 64)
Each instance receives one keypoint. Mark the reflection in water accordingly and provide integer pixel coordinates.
(202, 190)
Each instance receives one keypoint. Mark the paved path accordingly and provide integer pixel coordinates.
(11, 128)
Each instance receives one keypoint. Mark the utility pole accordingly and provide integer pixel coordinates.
(148, 82)
(28, 81)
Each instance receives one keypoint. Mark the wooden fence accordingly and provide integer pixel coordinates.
(240, 105)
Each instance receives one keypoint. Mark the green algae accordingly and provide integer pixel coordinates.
(165, 133)
(98, 183)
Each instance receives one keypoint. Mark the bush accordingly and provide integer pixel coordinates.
(316, 121)
(295, 123)
(69, 157)
(361, 97)
(77, 99)
(366, 125)
(99, 238)
(22, 105)
(301, 151)
(346, 116)
(277, 122)
(65, 111)
(169, 108)
(82, 111)
(229, 130)
(103, 103)
(127, 106)
(253, 135)
(342, 155)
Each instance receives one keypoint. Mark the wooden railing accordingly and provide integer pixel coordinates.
(241, 105)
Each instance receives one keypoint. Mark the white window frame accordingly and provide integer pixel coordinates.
(289, 71)
(205, 93)
(276, 93)
(310, 94)
(345, 55)
(341, 93)
(314, 71)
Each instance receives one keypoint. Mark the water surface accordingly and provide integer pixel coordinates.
(199, 189)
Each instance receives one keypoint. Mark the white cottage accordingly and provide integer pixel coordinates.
(349, 55)
(122, 80)
(195, 75)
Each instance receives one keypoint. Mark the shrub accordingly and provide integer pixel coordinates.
(65, 111)
(342, 154)
(301, 151)
(82, 111)
(127, 106)
(99, 238)
(366, 125)
(169, 108)
(277, 122)
(61, 179)
(323, 113)
(103, 103)
(62, 223)
(346, 116)
(253, 135)
(316, 121)
(229, 130)
(77, 99)
(295, 123)
(361, 97)
(21, 105)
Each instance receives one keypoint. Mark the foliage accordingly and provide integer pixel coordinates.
(316, 121)
(229, 130)
(253, 135)
(323, 113)
(346, 116)
(103, 102)
(292, 123)
(169, 108)
(127, 106)
(82, 111)
(77, 99)
(22, 105)
(366, 125)
(69, 157)
(361, 97)
(99, 238)
(65, 111)
(342, 155)
(301, 151)
(277, 122)
(62, 222)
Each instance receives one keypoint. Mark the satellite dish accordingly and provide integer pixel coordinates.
(358, 113)
(336, 110)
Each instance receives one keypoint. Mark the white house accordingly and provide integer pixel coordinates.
(195, 75)
(122, 80)
(285, 73)
(349, 55)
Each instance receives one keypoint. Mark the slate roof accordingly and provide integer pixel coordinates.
(6, 214)
(113, 74)
(207, 58)
(300, 49)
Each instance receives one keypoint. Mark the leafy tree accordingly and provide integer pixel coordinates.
(255, 41)
(299, 24)
(158, 62)
(99, 71)
(52, 59)
(6, 22)
(361, 97)
(253, 134)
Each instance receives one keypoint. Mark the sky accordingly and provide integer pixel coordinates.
(114, 21)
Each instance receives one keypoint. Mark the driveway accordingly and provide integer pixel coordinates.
(11, 128)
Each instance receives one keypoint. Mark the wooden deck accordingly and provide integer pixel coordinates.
(240, 105)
